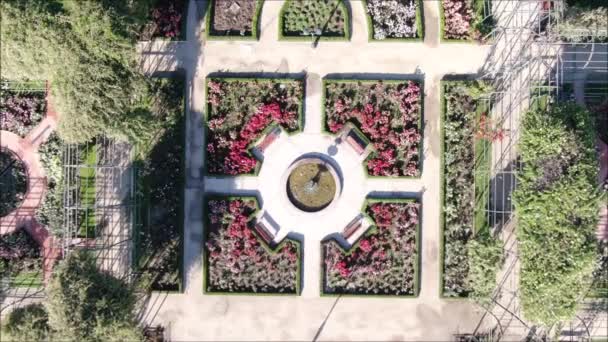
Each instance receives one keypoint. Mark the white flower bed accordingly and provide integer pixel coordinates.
(393, 18)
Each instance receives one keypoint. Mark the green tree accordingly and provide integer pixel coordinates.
(87, 304)
(86, 49)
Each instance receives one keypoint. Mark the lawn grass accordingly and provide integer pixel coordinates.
(87, 191)
(31, 279)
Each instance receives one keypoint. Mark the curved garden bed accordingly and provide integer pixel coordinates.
(237, 260)
(21, 110)
(389, 113)
(384, 261)
(13, 182)
(397, 20)
(240, 111)
(327, 19)
(233, 20)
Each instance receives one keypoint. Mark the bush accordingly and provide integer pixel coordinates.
(19, 254)
(393, 19)
(28, 323)
(85, 303)
(236, 260)
(239, 110)
(584, 24)
(384, 261)
(558, 212)
(388, 113)
(13, 182)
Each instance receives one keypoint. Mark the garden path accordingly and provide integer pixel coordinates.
(300, 318)
(25, 216)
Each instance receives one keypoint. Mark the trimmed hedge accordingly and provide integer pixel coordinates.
(252, 243)
(557, 202)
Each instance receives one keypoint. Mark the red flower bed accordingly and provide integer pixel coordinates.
(388, 114)
(382, 262)
(236, 260)
(239, 111)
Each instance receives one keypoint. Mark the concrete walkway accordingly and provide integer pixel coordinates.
(195, 316)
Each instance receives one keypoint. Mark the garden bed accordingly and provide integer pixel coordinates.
(467, 140)
(160, 168)
(463, 20)
(237, 260)
(167, 19)
(240, 111)
(324, 19)
(389, 113)
(584, 21)
(384, 261)
(20, 260)
(233, 20)
(21, 110)
(13, 182)
(51, 211)
(87, 189)
(400, 20)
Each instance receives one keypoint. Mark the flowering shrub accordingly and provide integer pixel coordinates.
(239, 111)
(236, 260)
(458, 17)
(388, 114)
(21, 112)
(393, 18)
(167, 18)
(13, 181)
(384, 261)
(470, 254)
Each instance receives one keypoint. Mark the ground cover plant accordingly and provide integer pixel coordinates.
(237, 260)
(86, 50)
(87, 191)
(20, 259)
(395, 19)
(21, 111)
(51, 212)
(556, 202)
(238, 19)
(160, 179)
(389, 113)
(239, 112)
(464, 20)
(13, 182)
(384, 261)
(326, 18)
(471, 256)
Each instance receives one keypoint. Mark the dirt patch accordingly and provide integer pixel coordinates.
(232, 17)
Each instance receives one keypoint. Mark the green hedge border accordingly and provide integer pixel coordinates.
(180, 74)
(370, 230)
(419, 26)
(301, 121)
(270, 249)
(442, 120)
(255, 32)
(347, 27)
(421, 124)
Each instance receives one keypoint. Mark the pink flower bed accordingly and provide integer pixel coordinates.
(238, 113)
(236, 260)
(458, 17)
(388, 114)
(383, 261)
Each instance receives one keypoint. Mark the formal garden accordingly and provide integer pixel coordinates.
(465, 20)
(388, 113)
(325, 19)
(232, 20)
(471, 255)
(240, 111)
(384, 261)
(395, 20)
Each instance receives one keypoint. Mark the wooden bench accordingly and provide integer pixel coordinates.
(264, 233)
(351, 227)
(355, 142)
